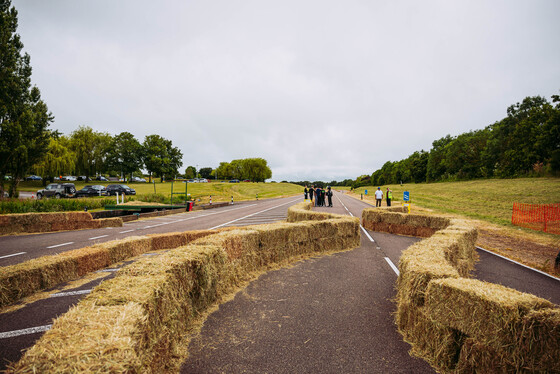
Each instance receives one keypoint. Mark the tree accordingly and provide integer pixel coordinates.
(190, 172)
(91, 149)
(24, 117)
(205, 173)
(436, 166)
(125, 154)
(160, 157)
(58, 160)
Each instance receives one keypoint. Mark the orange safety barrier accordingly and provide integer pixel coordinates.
(541, 217)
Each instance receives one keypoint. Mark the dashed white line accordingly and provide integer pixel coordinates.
(122, 232)
(70, 293)
(60, 245)
(107, 270)
(250, 215)
(367, 234)
(392, 265)
(98, 237)
(29, 331)
(14, 254)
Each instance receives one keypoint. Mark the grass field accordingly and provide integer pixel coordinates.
(489, 203)
(489, 200)
(200, 192)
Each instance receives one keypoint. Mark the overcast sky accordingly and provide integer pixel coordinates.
(323, 90)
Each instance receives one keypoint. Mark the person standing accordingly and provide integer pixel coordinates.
(389, 196)
(317, 196)
(322, 197)
(305, 192)
(329, 196)
(311, 192)
(378, 197)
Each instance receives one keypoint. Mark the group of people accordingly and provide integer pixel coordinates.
(379, 196)
(318, 194)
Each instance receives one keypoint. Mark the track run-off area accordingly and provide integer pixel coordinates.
(327, 314)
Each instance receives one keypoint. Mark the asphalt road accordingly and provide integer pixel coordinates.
(352, 291)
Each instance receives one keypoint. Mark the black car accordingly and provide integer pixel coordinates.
(90, 191)
(33, 178)
(101, 178)
(112, 189)
(57, 190)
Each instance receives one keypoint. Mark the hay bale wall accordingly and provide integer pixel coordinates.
(459, 324)
(11, 224)
(21, 280)
(153, 301)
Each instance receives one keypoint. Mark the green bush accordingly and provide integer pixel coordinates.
(51, 205)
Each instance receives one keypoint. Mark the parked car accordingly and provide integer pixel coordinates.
(83, 178)
(69, 178)
(137, 180)
(90, 191)
(191, 181)
(57, 190)
(112, 189)
(101, 178)
(33, 178)
(234, 181)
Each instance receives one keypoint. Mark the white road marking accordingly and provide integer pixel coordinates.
(122, 232)
(367, 234)
(518, 263)
(392, 265)
(250, 215)
(107, 270)
(70, 293)
(15, 254)
(60, 245)
(29, 331)
(98, 237)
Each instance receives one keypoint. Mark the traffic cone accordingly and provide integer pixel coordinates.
(32, 196)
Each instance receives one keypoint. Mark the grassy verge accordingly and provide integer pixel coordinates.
(489, 203)
(160, 193)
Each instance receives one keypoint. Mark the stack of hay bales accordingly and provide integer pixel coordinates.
(459, 324)
(46, 222)
(21, 280)
(138, 320)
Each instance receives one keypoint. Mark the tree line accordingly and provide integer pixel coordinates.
(525, 143)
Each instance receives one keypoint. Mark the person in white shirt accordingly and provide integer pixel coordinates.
(378, 197)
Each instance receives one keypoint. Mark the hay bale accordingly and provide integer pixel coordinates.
(98, 347)
(120, 250)
(434, 342)
(419, 264)
(538, 341)
(489, 313)
(476, 357)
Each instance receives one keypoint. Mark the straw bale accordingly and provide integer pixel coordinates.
(436, 343)
(418, 265)
(98, 347)
(476, 357)
(88, 259)
(538, 340)
(168, 240)
(489, 313)
(128, 247)
(110, 222)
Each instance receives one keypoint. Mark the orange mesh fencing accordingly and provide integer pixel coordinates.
(541, 217)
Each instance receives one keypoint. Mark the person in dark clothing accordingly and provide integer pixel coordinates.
(318, 196)
(305, 192)
(322, 197)
(329, 196)
(311, 192)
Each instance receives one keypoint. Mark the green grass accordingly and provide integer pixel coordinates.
(490, 200)
(200, 192)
